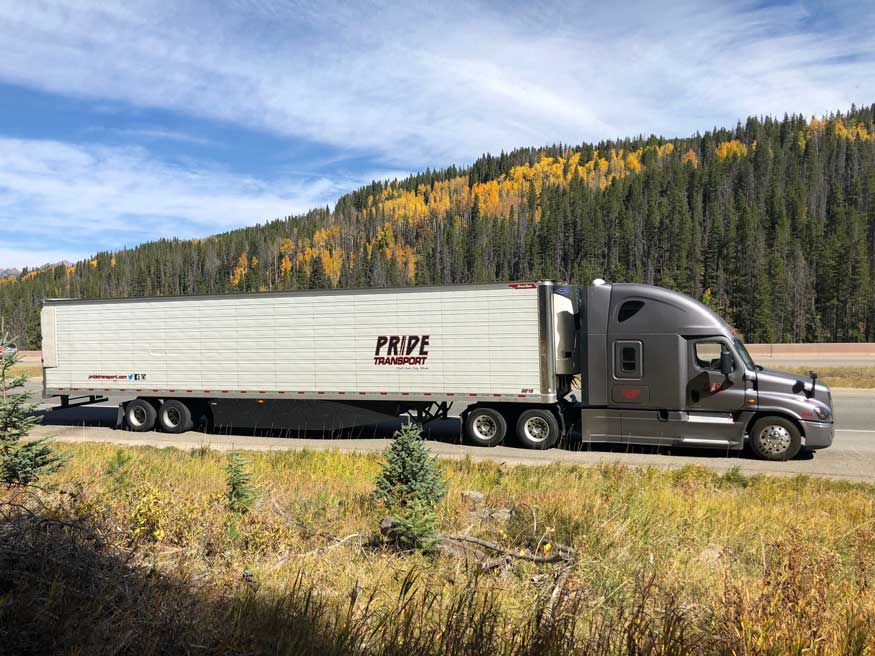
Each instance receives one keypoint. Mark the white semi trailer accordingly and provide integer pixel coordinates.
(654, 366)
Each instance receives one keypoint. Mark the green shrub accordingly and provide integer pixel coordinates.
(118, 470)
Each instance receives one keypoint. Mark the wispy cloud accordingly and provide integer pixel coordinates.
(417, 85)
(158, 134)
(94, 197)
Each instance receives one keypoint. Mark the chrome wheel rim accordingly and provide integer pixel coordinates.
(172, 417)
(536, 429)
(775, 440)
(137, 416)
(485, 428)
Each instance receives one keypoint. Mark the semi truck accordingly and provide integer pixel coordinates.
(532, 362)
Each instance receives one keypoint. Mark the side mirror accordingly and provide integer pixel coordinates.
(727, 364)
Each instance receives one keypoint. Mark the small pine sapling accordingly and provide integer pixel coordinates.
(409, 472)
(410, 486)
(241, 493)
(21, 463)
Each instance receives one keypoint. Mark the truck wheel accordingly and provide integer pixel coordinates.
(174, 417)
(537, 429)
(485, 427)
(140, 415)
(775, 438)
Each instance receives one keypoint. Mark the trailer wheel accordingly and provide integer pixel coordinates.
(537, 429)
(485, 427)
(775, 438)
(140, 415)
(174, 417)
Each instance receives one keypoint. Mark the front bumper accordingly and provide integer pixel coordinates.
(818, 434)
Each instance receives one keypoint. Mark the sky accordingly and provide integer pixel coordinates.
(126, 122)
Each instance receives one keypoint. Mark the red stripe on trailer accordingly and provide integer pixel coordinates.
(302, 392)
(138, 390)
(341, 392)
(171, 390)
(154, 390)
(320, 393)
(384, 393)
(224, 391)
(426, 393)
(498, 396)
(188, 391)
(206, 391)
(405, 393)
(522, 396)
(262, 392)
(280, 392)
(363, 393)
(451, 393)
(470, 394)
(242, 392)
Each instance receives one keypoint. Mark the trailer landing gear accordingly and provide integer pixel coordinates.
(428, 413)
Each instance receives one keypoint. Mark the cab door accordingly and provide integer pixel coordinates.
(709, 387)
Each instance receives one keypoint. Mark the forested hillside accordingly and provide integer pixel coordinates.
(772, 223)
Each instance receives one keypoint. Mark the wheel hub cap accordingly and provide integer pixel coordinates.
(775, 439)
(138, 416)
(172, 416)
(537, 429)
(485, 427)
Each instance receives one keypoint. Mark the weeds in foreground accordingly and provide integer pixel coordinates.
(666, 562)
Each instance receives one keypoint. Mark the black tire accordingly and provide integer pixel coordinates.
(775, 438)
(537, 428)
(485, 427)
(140, 415)
(174, 417)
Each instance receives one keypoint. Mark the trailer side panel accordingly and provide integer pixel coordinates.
(407, 343)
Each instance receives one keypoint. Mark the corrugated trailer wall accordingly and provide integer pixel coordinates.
(422, 342)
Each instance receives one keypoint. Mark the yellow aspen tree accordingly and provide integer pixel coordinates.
(690, 157)
(285, 265)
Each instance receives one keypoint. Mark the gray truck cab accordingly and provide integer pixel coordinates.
(662, 368)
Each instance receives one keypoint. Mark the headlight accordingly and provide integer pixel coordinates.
(822, 413)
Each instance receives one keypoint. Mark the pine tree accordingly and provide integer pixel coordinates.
(409, 487)
(21, 463)
(241, 494)
(409, 474)
(318, 278)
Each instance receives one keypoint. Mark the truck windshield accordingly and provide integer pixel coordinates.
(745, 356)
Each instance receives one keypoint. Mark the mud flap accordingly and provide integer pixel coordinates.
(120, 416)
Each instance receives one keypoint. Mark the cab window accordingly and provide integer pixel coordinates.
(708, 354)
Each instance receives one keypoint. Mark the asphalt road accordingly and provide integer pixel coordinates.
(852, 455)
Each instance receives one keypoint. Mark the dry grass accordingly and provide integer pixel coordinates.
(862, 377)
(669, 562)
(30, 370)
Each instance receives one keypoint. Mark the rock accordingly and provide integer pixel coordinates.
(712, 555)
(473, 496)
(499, 514)
(387, 527)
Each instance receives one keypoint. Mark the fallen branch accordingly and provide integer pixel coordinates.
(557, 591)
(339, 542)
(562, 554)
